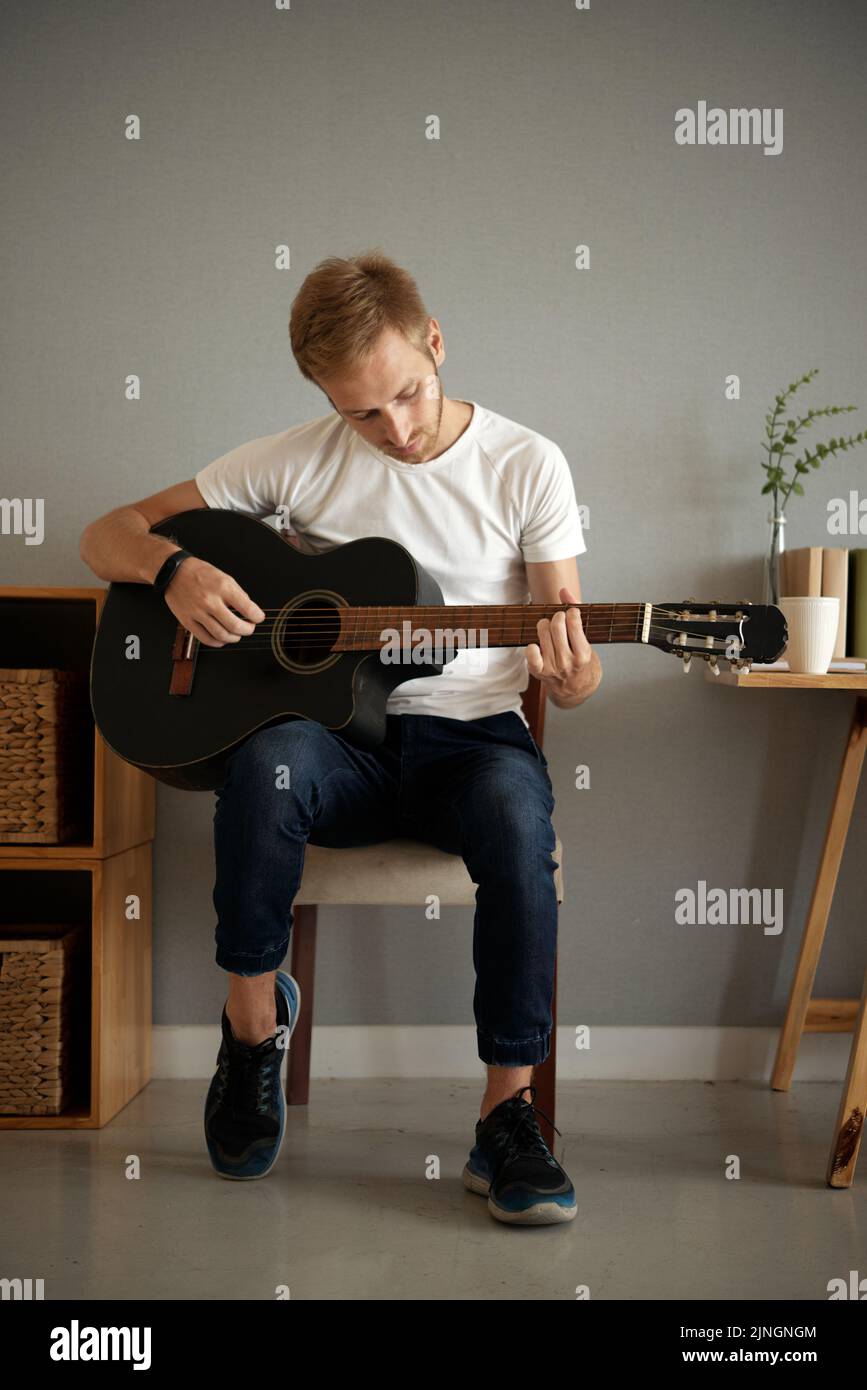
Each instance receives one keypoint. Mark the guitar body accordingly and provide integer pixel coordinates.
(185, 739)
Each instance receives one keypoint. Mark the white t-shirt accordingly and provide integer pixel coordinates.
(502, 494)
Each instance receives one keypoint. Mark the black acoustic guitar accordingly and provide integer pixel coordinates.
(176, 708)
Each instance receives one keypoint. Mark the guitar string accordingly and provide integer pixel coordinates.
(511, 610)
(511, 629)
(249, 643)
(328, 610)
(623, 628)
(301, 621)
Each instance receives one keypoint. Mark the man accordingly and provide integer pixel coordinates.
(487, 506)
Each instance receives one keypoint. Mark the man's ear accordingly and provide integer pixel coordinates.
(439, 356)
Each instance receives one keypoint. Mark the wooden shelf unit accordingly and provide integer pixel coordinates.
(48, 627)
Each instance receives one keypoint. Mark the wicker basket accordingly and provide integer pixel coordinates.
(40, 984)
(46, 737)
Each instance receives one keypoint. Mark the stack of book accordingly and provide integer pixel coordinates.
(832, 572)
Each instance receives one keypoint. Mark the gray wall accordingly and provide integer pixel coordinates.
(307, 126)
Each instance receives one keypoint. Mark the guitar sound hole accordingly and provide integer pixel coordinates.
(309, 630)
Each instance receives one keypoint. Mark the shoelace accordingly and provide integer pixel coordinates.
(248, 1077)
(526, 1126)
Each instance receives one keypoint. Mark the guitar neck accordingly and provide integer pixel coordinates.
(493, 625)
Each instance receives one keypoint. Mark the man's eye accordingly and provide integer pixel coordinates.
(404, 397)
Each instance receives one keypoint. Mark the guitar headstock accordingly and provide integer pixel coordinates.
(739, 633)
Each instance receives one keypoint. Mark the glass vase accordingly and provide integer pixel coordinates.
(776, 548)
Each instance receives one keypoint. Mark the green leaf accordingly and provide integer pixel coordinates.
(796, 487)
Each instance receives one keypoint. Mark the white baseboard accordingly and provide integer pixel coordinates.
(615, 1054)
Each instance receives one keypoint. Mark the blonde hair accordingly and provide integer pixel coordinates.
(344, 305)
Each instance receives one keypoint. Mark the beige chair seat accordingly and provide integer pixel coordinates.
(394, 871)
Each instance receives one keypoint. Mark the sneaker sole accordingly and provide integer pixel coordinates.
(253, 1177)
(540, 1214)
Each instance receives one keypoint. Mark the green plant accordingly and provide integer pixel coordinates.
(779, 482)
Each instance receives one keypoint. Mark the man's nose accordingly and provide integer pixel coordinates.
(398, 428)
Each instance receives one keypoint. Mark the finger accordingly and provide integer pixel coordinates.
(233, 594)
(563, 654)
(534, 659)
(229, 621)
(577, 636)
(546, 647)
(217, 623)
(202, 634)
(566, 596)
(574, 612)
(575, 627)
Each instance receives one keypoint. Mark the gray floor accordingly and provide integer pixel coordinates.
(347, 1212)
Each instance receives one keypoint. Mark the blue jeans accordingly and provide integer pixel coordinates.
(479, 788)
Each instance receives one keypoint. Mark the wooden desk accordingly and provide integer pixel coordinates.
(803, 1012)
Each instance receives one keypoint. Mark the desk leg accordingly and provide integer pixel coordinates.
(850, 1116)
(823, 893)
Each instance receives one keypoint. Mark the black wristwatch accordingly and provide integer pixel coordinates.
(167, 571)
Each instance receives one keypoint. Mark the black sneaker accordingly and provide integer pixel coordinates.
(513, 1167)
(245, 1111)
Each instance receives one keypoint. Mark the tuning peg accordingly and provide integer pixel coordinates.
(686, 661)
(713, 664)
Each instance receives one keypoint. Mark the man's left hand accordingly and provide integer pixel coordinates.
(563, 659)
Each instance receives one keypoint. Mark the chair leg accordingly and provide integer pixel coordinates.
(545, 1076)
(303, 969)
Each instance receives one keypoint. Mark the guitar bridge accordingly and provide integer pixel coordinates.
(184, 652)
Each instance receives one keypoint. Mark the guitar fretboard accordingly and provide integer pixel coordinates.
(512, 625)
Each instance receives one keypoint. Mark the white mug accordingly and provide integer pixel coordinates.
(812, 626)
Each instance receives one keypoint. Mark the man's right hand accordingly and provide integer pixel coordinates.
(202, 597)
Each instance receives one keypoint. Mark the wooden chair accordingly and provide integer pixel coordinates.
(394, 872)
